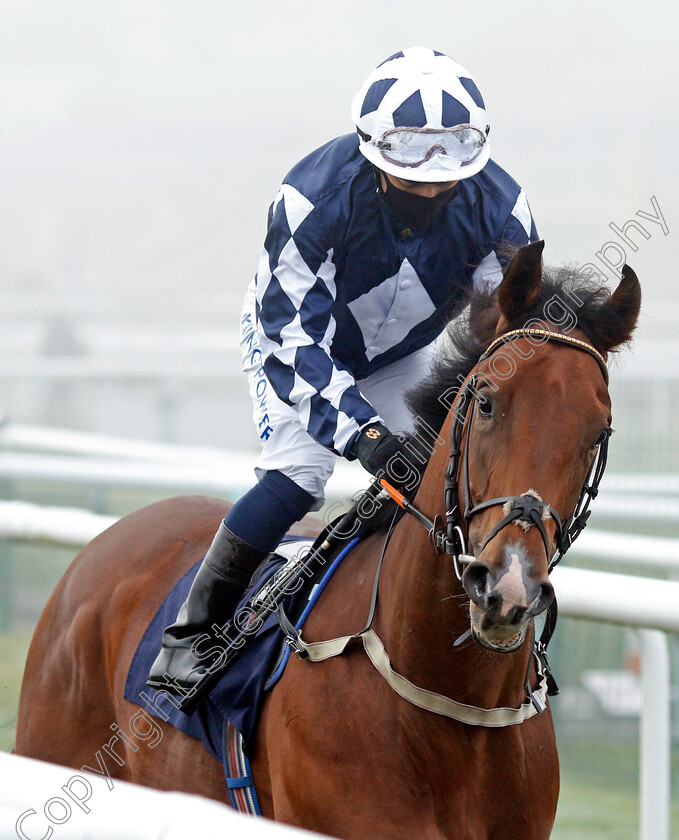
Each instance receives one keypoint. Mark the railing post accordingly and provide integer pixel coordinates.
(654, 760)
(7, 592)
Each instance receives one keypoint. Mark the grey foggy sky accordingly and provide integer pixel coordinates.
(141, 142)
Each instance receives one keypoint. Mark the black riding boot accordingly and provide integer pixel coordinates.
(212, 600)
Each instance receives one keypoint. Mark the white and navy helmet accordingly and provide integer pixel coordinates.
(421, 117)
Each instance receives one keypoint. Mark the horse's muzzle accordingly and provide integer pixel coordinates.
(504, 598)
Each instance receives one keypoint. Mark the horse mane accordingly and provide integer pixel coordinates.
(470, 332)
(473, 327)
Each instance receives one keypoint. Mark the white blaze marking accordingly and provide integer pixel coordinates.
(511, 586)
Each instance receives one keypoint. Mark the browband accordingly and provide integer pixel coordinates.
(551, 336)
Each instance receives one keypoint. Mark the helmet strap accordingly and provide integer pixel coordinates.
(377, 174)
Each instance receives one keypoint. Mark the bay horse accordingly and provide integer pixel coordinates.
(337, 750)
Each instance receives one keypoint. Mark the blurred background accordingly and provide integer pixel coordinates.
(140, 147)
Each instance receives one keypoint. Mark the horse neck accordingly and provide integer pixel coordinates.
(423, 610)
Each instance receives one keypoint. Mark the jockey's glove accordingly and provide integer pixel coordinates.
(385, 455)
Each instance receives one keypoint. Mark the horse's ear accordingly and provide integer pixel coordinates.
(520, 285)
(483, 318)
(618, 316)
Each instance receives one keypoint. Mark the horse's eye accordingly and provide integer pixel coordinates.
(485, 405)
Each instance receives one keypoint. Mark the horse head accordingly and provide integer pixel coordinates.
(538, 415)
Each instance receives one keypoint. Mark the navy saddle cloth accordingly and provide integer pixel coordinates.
(238, 697)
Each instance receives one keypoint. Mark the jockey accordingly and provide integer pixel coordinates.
(373, 241)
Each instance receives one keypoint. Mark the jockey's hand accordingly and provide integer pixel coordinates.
(385, 456)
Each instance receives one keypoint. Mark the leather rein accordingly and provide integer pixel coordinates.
(451, 540)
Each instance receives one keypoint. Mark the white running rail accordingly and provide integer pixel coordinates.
(69, 526)
(38, 799)
(84, 458)
(227, 473)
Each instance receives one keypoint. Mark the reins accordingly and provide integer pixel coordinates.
(451, 540)
(536, 699)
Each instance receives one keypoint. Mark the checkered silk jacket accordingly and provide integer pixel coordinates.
(343, 288)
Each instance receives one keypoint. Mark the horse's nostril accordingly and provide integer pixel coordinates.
(543, 600)
(515, 614)
(494, 600)
(475, 583)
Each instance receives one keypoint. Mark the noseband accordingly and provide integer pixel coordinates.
(526, 508)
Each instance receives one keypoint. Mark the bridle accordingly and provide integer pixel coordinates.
(451, 540)
(525, 508)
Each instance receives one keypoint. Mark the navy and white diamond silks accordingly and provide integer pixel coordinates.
(343, 289)
(406, 301)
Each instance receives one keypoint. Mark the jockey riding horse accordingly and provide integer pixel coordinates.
(373, 241)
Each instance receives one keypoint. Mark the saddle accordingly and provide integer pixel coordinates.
(283, 590)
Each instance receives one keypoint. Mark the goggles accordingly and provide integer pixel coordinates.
(414, 147)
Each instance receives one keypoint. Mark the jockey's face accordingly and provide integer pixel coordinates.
(425, 189)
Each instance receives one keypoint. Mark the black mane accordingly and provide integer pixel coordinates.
(474, 327)
(468, 335)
